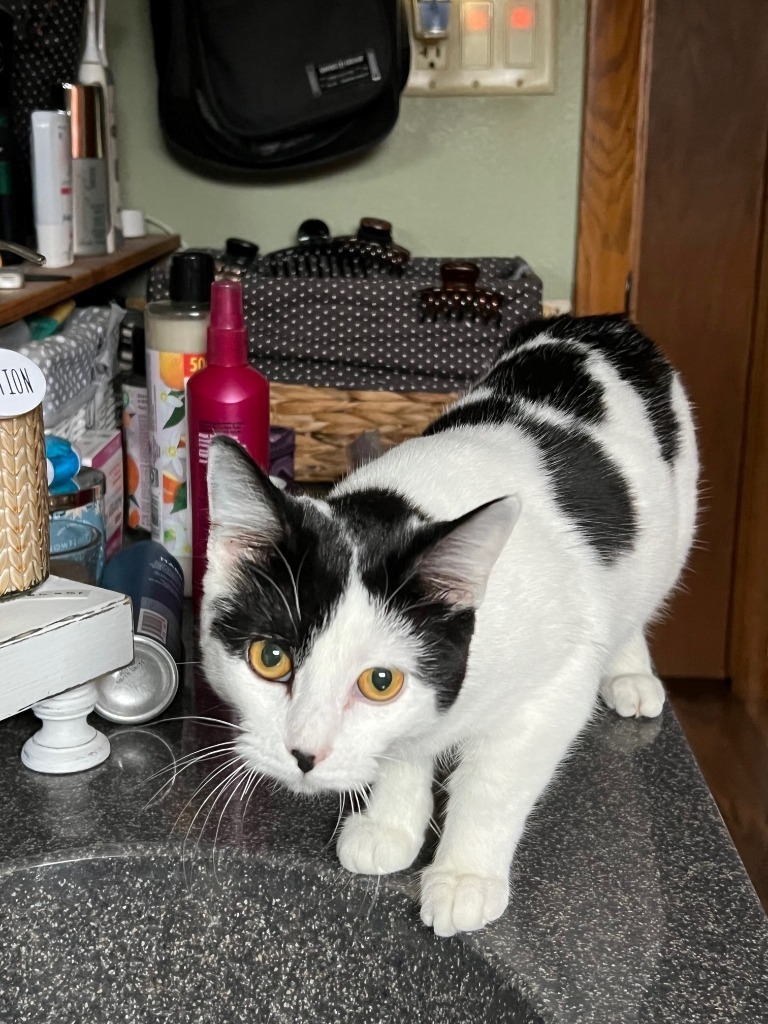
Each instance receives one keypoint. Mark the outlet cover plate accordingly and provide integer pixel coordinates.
(437, 68)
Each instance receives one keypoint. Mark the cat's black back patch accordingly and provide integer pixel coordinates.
(288, 593)
(555, 375)
(633, 356)
(480, 411)
(588, 486)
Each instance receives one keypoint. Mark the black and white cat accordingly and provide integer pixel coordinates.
(469, 593)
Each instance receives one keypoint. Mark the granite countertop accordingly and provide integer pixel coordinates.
(629, 901)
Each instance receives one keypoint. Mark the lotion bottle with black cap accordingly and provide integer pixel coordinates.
(176, 340)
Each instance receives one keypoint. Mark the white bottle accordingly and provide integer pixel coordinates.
(90, 201)
(52, 185)
(176, 346)
(94, 70)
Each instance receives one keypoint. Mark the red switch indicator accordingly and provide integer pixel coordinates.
(521, 19)
(521, 30)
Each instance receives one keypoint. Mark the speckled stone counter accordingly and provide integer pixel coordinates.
(124, 899)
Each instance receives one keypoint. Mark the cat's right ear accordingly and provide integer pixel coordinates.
(246, 509)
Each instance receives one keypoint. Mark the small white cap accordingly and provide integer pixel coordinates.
(54, 241)
(133, 223)
(11, 278)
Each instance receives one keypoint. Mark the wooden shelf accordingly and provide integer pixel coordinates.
(85, 273)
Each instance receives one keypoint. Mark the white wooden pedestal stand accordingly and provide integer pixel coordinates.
(66, 743)
(53, 642)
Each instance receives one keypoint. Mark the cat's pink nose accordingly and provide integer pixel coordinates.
(305, 761)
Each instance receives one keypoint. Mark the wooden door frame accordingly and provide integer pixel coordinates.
(748, 635)
(618, 55)
(612, 126)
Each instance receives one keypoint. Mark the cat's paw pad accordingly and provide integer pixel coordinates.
(369, 848)
(452, 902)
(633, 696)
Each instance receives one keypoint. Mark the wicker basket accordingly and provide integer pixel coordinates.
(327, 420)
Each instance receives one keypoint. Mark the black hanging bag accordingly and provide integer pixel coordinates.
(248, 86)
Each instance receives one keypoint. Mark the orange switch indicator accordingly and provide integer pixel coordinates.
(476, 28)
(521, 30)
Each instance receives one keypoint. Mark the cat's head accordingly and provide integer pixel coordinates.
(339, 630)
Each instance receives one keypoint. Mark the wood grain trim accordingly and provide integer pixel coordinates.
(696, 278)
(86, 272)
(748, 634)
(608, 153)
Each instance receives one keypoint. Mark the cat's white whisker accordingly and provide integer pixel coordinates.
(177, 768)
(180, 763)
(208, 779)
(256, 778)
(390, 597)
(280, 594)
(435, 826)
(294, 584)
(337, 826)
(214, 795)
(374, 898)
(244, 774)
(220, 722)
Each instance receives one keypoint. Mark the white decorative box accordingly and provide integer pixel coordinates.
(59, 636)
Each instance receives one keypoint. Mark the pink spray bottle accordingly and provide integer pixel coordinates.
(226, 397)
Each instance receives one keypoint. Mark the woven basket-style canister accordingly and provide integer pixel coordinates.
(24, 539)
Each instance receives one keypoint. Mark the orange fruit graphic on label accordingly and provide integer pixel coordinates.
(171, 485)
(171, 365)
(132, 475)
(134, 518)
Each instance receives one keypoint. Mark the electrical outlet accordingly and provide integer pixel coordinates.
(491, 47)
(430, 56)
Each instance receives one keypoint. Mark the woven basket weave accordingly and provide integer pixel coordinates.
(327, 420)
(24, 541)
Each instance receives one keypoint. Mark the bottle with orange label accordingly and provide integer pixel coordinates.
(176, 340)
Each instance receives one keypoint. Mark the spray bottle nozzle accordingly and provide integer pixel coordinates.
(227, 305)
(227, 336)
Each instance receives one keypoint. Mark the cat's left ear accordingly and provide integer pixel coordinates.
(456, 567)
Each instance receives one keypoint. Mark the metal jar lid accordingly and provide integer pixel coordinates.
(91, 487)
(142, 690)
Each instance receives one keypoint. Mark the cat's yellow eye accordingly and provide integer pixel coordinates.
(270, 660)
(380, 684)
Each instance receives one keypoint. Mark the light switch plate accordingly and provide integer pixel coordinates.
(445, 68)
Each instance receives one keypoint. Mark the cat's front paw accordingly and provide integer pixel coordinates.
(368, 847)
(633, 696)
(452, 902)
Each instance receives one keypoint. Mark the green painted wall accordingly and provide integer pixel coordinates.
(462, 176)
